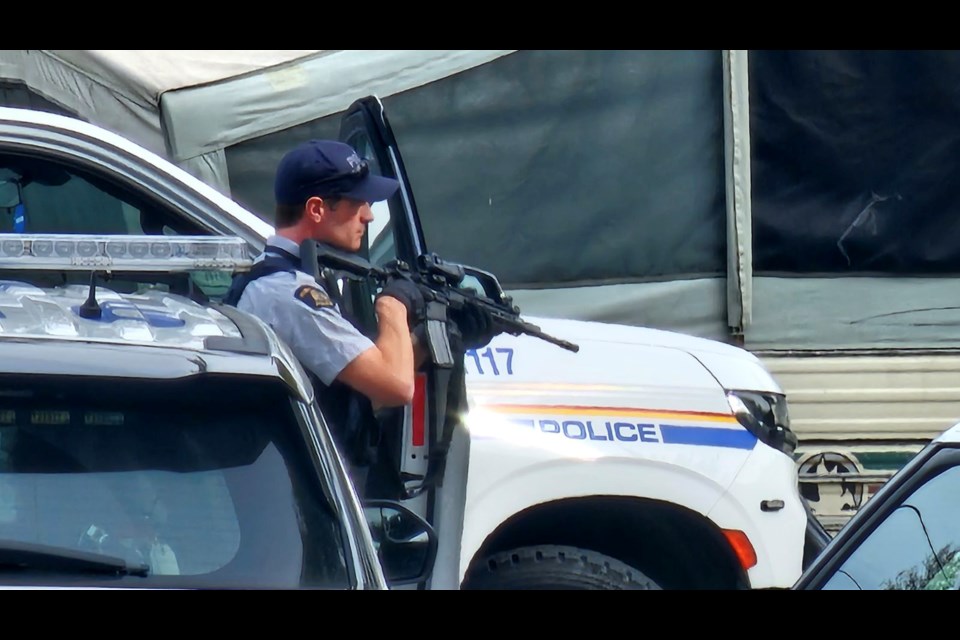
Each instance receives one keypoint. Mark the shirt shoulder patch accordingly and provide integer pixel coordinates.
(313, 297)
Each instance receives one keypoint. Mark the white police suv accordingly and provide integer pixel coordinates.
(148, 440)
(644, 460)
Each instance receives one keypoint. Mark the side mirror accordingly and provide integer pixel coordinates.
(406, 543)
(485, 284)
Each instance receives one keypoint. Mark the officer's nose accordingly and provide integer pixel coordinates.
(366, 213)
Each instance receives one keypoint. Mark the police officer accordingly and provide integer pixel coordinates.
(323, 192)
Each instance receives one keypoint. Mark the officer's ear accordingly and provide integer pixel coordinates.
(314, 208)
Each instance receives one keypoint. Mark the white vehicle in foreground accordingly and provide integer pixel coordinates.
(122, 465)
(645, 460)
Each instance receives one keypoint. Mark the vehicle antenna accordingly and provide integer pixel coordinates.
(90, 309)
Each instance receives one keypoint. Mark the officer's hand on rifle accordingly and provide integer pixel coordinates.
(407, 292)
(476, 326)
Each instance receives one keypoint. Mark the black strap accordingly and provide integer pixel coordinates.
(275, 260)
(272, 251)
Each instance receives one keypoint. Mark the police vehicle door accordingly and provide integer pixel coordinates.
(396, 233)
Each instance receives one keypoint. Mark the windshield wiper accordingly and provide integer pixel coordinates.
(16, 555)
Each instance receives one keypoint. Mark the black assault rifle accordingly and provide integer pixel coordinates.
(439, 282)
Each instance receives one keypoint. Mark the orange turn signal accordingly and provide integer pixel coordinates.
(742, 547)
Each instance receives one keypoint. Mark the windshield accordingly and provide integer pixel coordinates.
(916, 545)
(199, 484)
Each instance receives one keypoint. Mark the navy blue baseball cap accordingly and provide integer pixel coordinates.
(327, 168)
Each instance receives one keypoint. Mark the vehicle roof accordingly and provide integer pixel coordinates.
(151, 334)
(951, 435)
(14, 118)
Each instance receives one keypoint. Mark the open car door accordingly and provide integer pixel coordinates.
(424, 446)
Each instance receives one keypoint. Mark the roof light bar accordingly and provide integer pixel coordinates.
(76, 252)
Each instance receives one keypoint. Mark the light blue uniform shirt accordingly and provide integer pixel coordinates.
(304, 316)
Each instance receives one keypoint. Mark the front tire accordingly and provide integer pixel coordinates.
(553, 567)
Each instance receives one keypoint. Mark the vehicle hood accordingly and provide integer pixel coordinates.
(732, 367)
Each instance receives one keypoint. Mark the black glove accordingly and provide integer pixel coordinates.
(476, 326)
(407, 292)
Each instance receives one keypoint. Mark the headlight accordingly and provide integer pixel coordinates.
(764, 415)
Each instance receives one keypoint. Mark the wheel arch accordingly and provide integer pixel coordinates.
(675, 546)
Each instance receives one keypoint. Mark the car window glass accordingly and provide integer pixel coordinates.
(915, 547)
(57, 199)
(41, 195)
(205, 494)
(380, 235)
